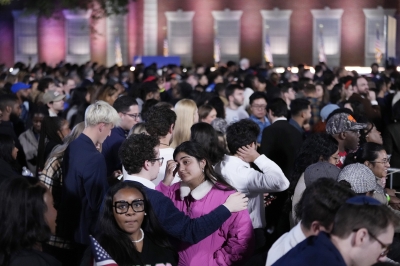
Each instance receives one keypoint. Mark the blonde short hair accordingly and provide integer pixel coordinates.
(101, 112)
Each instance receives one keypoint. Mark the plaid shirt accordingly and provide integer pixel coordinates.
(51, 177)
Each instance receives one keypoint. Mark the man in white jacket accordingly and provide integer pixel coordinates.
(316, 209)
(241, 138)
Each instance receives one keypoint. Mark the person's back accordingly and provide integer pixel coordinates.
(83, 165)
(280, 141)
(85, 176)
(160, 122)
(362, 232)
(128, 110)
(316, 212)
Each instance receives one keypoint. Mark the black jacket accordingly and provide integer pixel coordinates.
(280, 142)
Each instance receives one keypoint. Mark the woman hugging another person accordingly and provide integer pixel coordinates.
(201, 191)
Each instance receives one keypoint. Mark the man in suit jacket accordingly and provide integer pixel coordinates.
(280, 142)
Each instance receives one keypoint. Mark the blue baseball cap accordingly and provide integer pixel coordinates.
(19, 86)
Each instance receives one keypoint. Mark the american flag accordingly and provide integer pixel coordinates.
(165, 47)
(101, 257)
(267, 48)
(378, 51)
(321, 47)
(217, 50)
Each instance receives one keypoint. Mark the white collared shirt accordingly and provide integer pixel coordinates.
(52, 114)
(253, 183)
(279, 119)
(145, 182)
(285, 243)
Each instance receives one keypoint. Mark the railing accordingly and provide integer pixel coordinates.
(392, 171)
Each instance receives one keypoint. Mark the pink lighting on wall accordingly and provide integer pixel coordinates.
(7, 43)
(51, 39)
(98, 42)
(133, 33)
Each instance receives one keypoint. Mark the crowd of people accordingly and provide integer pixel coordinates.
(234, 165)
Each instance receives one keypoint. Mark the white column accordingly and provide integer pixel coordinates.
(227, 28)
(331, 22)
(180, 35)
(117, 35)
(77, 30)
(150, 27)
(375, 19)
(277, 23)
(25, 38)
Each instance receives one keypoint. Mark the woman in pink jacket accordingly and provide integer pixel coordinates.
(201, 191)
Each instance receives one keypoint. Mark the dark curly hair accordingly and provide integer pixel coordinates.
(316, 147)
(241, 133)
(207, 137)
(159, 120)
(137, 149)
(116, 241)
(196, 150)
(22, 221)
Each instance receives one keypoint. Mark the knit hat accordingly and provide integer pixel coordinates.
(52, 96)
(360, 177)
(327, 110)
(319, 170)
(342, 122)
(219, 124)
(19, 86)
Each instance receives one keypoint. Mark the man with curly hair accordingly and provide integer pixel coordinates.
(160, 122)
(235, 168)
(142, 166)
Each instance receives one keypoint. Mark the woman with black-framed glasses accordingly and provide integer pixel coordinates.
(129, 230)
(375, 157)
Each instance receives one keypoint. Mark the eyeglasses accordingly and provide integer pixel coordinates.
(158, 159)
(134, 116)
(122, 207)
(261, 107)
(386, 248)
(384, 160)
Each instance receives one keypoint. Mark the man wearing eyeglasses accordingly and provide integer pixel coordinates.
(258, 108)
(128, 110)
(362, 233)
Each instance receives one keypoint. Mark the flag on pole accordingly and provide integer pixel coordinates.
(267, 48)
(217, 51)
(378, 50)
(118, 52)
(165, 47)
(321, 47)
(101, 257)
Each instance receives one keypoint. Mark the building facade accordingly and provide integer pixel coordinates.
(190, 29)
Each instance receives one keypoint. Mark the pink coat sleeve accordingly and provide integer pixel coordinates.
(239, 235)
(166, 190)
